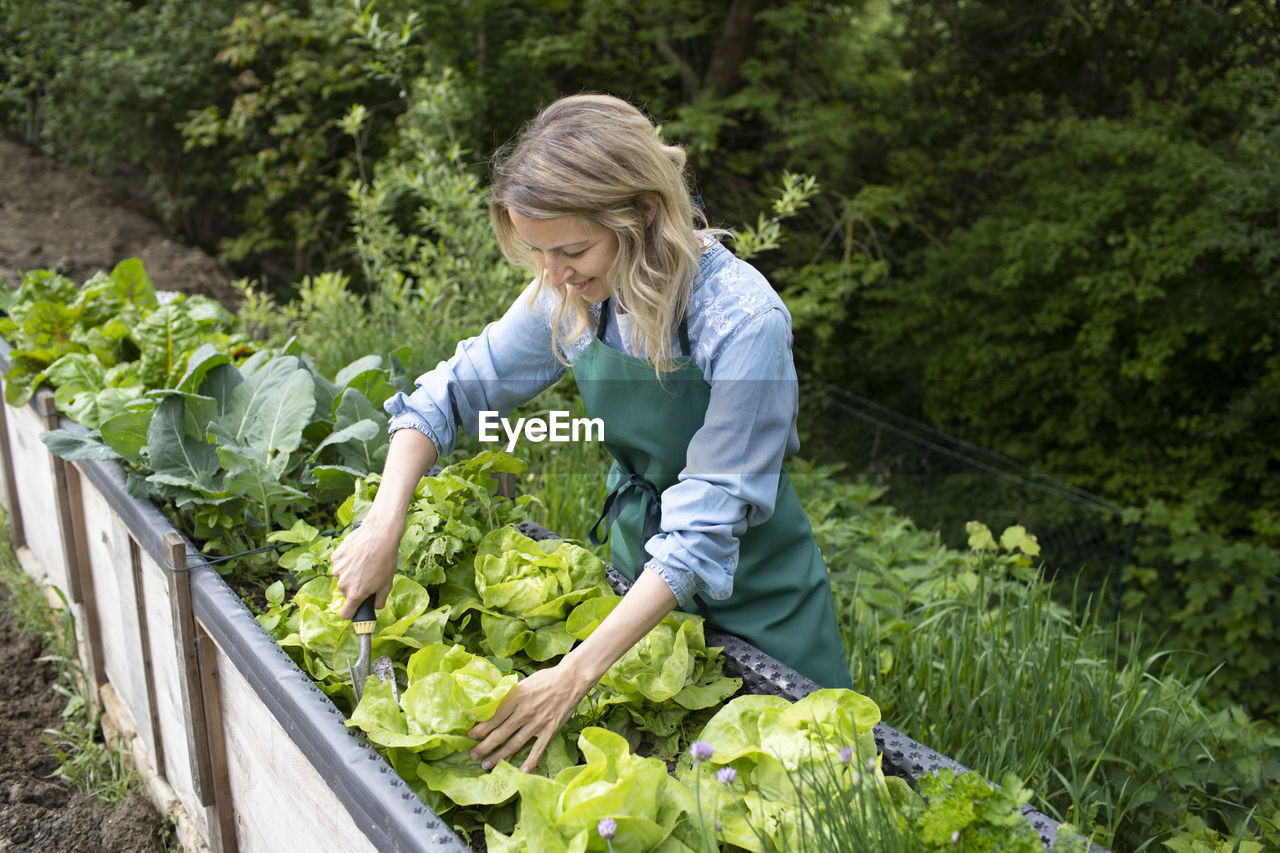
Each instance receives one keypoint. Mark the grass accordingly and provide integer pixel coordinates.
(85, 759)
(968, 652)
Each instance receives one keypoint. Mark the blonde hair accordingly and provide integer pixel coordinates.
(598, 157)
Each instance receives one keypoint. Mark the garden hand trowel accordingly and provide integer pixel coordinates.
(363, 623)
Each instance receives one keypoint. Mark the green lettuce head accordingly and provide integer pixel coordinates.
(563, 814)
(671, 662)
(449, 691)
(524, 591)
(324, 644)
(775, 747)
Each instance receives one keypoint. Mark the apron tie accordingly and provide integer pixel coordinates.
(617, 501)
(613, 506)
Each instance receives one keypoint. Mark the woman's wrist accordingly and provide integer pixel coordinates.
(643, 607)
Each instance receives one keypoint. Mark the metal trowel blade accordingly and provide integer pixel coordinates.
(386, 672)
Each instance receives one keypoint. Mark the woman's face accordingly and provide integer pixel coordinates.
(576, 252)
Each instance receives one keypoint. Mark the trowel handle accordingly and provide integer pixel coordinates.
(365, 618)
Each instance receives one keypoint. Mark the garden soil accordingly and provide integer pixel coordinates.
(40, 813)
(52, 217)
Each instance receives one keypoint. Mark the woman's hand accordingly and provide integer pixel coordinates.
(365, 563)
(536, 708)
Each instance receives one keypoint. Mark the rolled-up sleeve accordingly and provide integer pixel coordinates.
(508, 363)
(733, 464)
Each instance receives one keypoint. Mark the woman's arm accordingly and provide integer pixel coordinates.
(366, 560)
(510, 361)
(539, 706)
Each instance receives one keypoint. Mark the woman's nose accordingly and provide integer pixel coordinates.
(559, 271)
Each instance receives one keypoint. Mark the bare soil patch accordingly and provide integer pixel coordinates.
(41, 813)
(53, 217)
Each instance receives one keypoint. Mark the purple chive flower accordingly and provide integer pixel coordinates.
(955, 837)
(855, 779)
(607, 827)
(846, 755)
(701, 751)
(727, 775)
(871, 766)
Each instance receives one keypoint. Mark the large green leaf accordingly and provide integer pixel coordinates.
(165, 337)
(199, 363)
(267, 412)
(360, 432)
(127, 432)
(176, 456)
(77, 448)
(133, 284)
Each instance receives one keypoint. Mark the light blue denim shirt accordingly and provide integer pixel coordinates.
(740, 338)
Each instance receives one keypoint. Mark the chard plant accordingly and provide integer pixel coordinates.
(106, 343)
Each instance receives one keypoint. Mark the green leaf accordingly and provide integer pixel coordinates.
(177, 457)
(268, 410)
(135, 286)
(77, 448)
(127, 433)
(164, 338)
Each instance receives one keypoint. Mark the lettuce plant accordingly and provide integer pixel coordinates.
(425, 735)
(563, 814)
(449, 514)
(323, 644)
(524, 591)
(769, 742)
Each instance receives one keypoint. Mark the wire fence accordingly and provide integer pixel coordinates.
(942, 482)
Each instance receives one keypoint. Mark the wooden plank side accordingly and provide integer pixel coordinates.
(281, 801)
(66, 514)
(222, 814)
(154, 747)
(88, 625)
(195, 726)
(108, 544)
(33, 470)
(167, 674)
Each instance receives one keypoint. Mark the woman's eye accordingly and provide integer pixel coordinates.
(576, 254)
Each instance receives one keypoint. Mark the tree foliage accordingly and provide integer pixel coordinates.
(1048, 228)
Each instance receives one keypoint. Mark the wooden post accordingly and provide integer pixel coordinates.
(144, 639)
(89, 599)
(224, 825)
(16, 537)
(49, 412)
(184, 629)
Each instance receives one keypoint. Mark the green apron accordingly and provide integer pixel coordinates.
(781, 601)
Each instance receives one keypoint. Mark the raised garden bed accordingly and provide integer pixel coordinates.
(237, 741)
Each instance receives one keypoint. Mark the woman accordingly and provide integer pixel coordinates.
(684, 352)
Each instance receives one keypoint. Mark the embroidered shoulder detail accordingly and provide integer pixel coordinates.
(729, 293)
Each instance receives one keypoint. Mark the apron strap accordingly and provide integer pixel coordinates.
(617, 500)
(603, 325)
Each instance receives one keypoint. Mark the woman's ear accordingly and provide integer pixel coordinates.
(649, 204)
